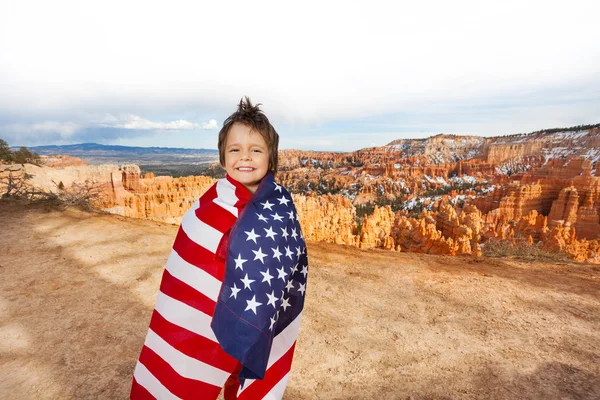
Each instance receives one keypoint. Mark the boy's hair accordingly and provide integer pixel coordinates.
(253, 117)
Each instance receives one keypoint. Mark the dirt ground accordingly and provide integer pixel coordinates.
(77, 290)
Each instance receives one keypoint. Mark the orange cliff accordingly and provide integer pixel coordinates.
(557, 205)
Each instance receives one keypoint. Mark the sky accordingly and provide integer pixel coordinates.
(331, 75)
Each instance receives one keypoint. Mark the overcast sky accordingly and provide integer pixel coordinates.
(331, 75)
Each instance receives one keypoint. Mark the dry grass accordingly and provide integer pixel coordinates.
(522, 250)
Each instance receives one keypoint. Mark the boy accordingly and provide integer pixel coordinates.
(231, 296)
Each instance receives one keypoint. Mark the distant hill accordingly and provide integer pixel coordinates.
(95, 149)
(159, 160)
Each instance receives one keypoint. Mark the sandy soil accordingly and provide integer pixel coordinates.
(77, 290)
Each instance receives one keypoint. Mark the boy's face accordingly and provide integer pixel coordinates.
(246, 156)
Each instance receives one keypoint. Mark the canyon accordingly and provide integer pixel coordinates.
(454, 195)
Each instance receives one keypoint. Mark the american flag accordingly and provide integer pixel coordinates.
(233, 284)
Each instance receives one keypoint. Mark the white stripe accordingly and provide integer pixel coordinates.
(284, 341)
(277, 392)
(184, 316)
(281, 344)
(151, 384)
(200, 232)
(194, 276)
(184, 365)
(226, 197)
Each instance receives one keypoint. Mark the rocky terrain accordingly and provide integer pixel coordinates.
(455, 195)
(78, 289)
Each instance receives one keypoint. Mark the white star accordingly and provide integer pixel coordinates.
(302, 288)
(267, 276)
(304, 271)
(285, 304)
(283, 200)
(291, 215)
(281, 273)
(239, 262)
(294, 234)
(272, 299)
(298, 251)
(276, 253)
(267, 205)
(290, 285)
(261, 217)
(247, 282)
(273, 320)
(270, 233)
(234, 291)
(252, 304)
(294, 268)
(259, 255)
(252, 236)
(278, 188)
(284, 233)
(288, 252)
(277, 217)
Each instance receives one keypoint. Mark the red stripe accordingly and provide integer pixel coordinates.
(138, 392)
(183, 292)
(181, 387)
(259, 388)
(197, 255)
(216, 216)
(191, 344)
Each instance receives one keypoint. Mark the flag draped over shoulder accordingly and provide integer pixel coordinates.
(232, 293)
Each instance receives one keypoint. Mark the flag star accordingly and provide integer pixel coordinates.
(283, 200)
(247, 282)
(294, 268)
(278, 188)
(304, 271)
(252, 304)
(291, 215)
(261, 217)
(277, 217)
(298, 251)
(288, 252)
(270, 233)
(234, 291)
(276, 253)
(267, 205)
(294, 234)
(285, 304)
(239, 262)
(267, 276)
(282, 274)
(302, 288)
(289, 286)
(272, 299)
(284, 233)
(259, 255)
(252, 235)
(273, 320)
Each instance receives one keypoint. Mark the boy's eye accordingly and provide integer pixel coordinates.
(233, 150)
(257, 150)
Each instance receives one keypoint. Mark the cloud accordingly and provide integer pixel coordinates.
(138, 123)
(93, 129)
(354, 62)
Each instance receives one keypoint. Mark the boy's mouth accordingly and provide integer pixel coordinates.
(245, 169)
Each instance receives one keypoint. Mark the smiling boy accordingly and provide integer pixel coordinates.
(222, 319)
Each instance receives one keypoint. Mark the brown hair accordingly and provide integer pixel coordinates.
(253, 117)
